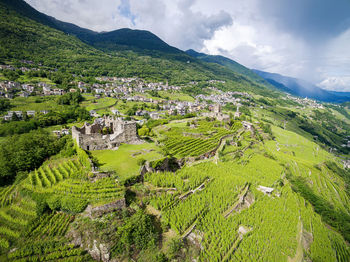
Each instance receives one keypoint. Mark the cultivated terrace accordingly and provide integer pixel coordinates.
(117, 153)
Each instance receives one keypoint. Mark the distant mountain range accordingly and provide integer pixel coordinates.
(303, 88)
(145, 43)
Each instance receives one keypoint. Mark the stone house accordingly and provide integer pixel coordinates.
(154, 115)
(31, 113)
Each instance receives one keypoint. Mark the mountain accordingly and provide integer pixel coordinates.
(302, 88)
(111, 41)
(127, 38)
(26, 34)
(337, 93)
(228, 63)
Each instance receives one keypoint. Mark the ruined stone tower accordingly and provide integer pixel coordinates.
(92, 136)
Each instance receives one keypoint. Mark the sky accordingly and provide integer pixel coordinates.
(307, 39)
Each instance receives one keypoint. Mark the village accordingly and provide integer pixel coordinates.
(306, 102)
(132, 89)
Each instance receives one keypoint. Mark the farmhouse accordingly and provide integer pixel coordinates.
(105, 133)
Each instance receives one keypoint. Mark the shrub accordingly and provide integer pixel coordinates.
(144, 131)
(138, 232)
(141, 161)
(173, 247)
(54, 202)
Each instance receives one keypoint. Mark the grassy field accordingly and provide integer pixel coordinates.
(124, 160)
(101, 105)
(59, 127)
(34, 103)
(124, 107)
(292, 146)
(26, 79)
(176, 96)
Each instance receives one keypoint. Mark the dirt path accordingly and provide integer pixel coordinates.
(192, 191)
(299, 255)
(238, 202)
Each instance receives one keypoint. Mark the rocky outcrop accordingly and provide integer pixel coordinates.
(99, 252)
(98, 175)
(98, 211)
(167, 164)
(266, 190)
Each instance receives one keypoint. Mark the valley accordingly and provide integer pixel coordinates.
(118, 147)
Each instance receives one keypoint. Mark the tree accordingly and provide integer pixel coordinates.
(173, 247)
(139, 231)
(70, 99)
(26, 152)
(144, 131)
(4, 104)
(11, 75)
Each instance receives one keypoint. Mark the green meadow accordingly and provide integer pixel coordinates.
(124, 160)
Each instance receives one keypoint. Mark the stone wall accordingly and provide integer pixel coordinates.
(130, 131)
(98, 211)
(89, 137)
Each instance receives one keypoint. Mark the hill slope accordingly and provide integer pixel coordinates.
(44, 40)
(262, 186)
(229, 63)
(108, 40)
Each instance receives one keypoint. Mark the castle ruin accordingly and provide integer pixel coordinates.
(216, 113)
(105, 133)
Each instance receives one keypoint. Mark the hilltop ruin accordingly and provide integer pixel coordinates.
(105, 133)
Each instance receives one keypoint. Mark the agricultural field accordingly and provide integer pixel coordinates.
(176, 96)
(26, 79)
(35, 103)
(124, 107)
(193, 139)
(219, 206)
(57, 191)
(100, 105)
(215, 206)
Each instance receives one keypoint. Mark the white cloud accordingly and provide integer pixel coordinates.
(259, 46)
(100, 15)
(177, 23)
(341, 84)
(173, 21)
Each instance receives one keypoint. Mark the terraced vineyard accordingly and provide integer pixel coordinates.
(217, 206)
(14, 221)
(211, 202)
(46, 176)
(7, 194)
(65, 180)
(103, 190)
(202, 138)
(50, 225)
(49, 251)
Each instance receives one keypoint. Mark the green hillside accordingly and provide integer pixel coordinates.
(229, 63)
(264, 179)
(22, 38)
